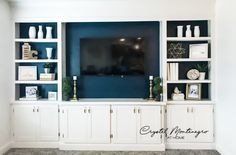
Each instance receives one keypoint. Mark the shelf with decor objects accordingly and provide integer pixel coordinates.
(37, 44)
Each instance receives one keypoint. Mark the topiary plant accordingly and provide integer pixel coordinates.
(202, 67)
(66, 88)
(157, 89)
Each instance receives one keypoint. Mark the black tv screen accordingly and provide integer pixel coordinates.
(112, 56)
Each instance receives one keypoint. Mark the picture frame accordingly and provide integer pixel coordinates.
(52, 96)
(198, 51)
(31, 91)
(27, 73)
(193, 91)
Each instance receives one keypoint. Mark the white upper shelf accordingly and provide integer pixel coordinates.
(190, 81)
(187, 60)
(37, 40)
(188, 39)
(36, 61)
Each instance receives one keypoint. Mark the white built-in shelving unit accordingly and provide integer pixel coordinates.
(19, 85)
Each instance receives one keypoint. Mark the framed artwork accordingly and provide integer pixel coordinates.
(197, 51)
(193, 91)
(52, 95)
(31, 92)
(27, 73)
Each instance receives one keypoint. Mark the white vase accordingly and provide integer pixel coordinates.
(188, 32)
(196, 31)
(40, 32)
(32, 32)
(180, 31)
(49, 33)
(49, 52)
(47, 70)
(202, 76)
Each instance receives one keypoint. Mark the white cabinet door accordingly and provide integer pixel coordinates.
(149, 119)
(99, 124)
(24, 123)
(179, 117)
(76, 124)
(124, 124)
(203, 121)
(48, 123)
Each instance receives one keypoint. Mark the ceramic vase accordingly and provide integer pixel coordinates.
(49, 52)
(202, 76)
(47, 70)
(188, 32)
(32, 32)
(49, 33)
(196, 31)
(179, 31)
(40, 32)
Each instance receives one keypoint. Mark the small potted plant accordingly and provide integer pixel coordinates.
(157, 89)
(202, 68)
(47, 67)
(66, 88)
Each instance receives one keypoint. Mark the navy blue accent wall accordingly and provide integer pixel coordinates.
(113, 86)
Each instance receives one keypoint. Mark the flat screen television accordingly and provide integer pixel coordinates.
(112, 56)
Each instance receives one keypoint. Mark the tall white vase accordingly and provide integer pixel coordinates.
(196, 31)
(40, 32)
(32, 32)
(180, 31)
(188, 32)
(49, 33)
(49, 52)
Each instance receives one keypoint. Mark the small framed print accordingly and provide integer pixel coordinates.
(31, 92)
(197, 51)
(52, 96)
(193, 91)
(27, 73)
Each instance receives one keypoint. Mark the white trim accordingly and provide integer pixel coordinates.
(5, 148)
(113, 147)
(192, 146)
(35, 145)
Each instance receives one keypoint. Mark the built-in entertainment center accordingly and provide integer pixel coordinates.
(112, 62)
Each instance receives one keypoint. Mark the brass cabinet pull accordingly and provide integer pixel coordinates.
(139, 110)
(89, 110)
(38, 109)
(34, 109)
(187, 109)
(192, 110)
(85, 110)
(134, 110)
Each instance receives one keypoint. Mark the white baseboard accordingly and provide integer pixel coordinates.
(5, 148)
(192, 146)
(112, 147)
(34, 145)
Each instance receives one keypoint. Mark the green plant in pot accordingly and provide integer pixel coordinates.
(47, 67)
(157, 88)
(203, 69)
(66, 88)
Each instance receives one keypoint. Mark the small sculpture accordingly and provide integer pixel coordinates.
(177, 95)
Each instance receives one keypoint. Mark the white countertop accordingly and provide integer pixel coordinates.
(96, 101)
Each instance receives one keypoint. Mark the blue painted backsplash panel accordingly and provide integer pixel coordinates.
(112, 86)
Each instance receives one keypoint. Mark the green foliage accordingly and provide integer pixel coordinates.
(202, 67)
(157, 89)
(47, 65)
(66, 88)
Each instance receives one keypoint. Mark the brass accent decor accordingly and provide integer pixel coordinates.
(74, 99)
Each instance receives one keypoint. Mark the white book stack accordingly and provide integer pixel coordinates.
(172, 71)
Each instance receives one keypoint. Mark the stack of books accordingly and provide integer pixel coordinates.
(47, 77)
(172, 71)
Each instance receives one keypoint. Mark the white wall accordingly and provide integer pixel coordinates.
(5, 73)
(226, 76)
(115, 10)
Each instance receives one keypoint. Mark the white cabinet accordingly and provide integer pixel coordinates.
(35, 123)
(85, 124)
(127, 122)
(190, 118)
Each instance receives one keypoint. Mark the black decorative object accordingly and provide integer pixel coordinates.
(175, 51)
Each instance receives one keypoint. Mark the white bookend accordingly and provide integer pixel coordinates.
(174, 71)
(168, 71)
(177, 71)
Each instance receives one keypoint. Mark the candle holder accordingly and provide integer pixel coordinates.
(150, 90)
(74, 99)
